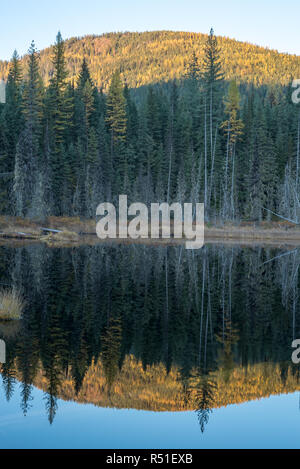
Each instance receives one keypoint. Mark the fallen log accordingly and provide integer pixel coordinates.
(280, 216)
(49, 230)
(16, 235)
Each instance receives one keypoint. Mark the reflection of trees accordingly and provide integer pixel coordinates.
(10, 334)
(111, 348)
(27, 359)
(9, 379)
(80, 364)
(288, 276)
(228, 337)
(51, 405)
(205, 401)
(163, 305)
(202, 390)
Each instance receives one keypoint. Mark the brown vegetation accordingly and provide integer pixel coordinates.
(61, 237)
(77, 230)
(11, 305)
(155, 389)
(159, 56)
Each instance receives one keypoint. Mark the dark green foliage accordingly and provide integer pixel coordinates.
(207, 314)
(68, 147)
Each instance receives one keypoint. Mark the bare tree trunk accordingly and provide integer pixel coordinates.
(211, 121)
(298, 156)
(232, 185)
(205, 158)
(170, 172)
(202, 307)
(170, 154)
(212, 166)
(279, 216)
(225, 211)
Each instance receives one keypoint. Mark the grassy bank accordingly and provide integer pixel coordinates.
(71, 230)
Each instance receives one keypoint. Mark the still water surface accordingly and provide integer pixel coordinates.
(151, 347)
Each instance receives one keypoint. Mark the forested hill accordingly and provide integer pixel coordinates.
(151, 57)
(67, 146)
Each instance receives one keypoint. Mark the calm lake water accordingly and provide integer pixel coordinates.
(151, 347)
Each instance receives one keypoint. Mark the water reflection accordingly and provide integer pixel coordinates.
(151, 328)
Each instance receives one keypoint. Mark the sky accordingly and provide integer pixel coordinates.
(271, 23)
(266, 423)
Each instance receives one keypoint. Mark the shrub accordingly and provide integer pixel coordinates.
(11, 305)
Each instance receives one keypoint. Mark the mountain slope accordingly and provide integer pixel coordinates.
(152, 57)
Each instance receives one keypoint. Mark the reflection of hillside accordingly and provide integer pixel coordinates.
(223, 309)
(155, 390)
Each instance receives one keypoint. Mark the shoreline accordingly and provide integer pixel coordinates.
(74, 231)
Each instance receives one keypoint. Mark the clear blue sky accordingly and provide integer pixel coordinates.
(272, 23)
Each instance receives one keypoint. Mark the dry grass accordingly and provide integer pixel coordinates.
(72, 224)
(67, 236)
(76, 230)
(63, 237)
(11, 305)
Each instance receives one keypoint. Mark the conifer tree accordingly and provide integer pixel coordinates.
(60, 103)
(11, 125)
(13, 108)
(193, 72)
(116, 120)
(213, 82)
(27, 161)
(60, 113)
(233, 128)
(116, 110)
(33, 95)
